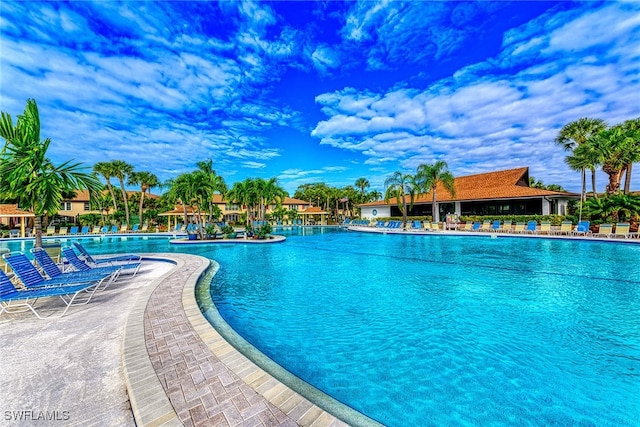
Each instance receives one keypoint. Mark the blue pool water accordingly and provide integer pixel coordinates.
(434, 330)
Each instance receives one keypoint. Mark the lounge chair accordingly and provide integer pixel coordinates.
(104, 230)
(604, 230)
(14, 233)
(476, 226)
(54, 250)
(486, 226)
(519, 228)
(622, 230)
(144, 228)
(114, 229)
(50, 231)
(3, 265)
(32, 279)
(73, 230)
(12, 299)
(582, 229)
(135, 228)
(495, 226)
(532, 227)
(96, 229)
(84, 230)
(466, 227)
(566, 227)
(417, 225)
(81, 265)
(105, 260)
(52, 270)
(63, 231)
(545, 227)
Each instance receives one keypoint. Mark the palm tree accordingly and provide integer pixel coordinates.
(244, 194)
(146, 181)
(615, 149)
(362, 184)
(398, 186)
(576, 133)
(121, 170)
(429, 176)
(215, 182)
(106, 170)
(269, 192)
(28, 176)
(633, 128)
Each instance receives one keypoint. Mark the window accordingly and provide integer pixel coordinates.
(86, 206)
(65, 206)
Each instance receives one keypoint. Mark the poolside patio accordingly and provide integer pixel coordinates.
(141, 350)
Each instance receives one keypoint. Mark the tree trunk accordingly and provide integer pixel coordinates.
(113, 194)
(614, 180)
(583, 195)
(141, 202)
(435, 215)
(37, 225)
(404, 211)
(627, 179)
(593, 183)
(125, 199)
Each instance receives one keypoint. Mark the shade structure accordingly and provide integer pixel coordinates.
(14, 212)
(177, 212)
(309, 213)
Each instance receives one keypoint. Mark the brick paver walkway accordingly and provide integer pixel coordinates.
(200, 387)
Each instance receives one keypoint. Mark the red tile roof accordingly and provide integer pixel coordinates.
(506, 184)
(11, 211)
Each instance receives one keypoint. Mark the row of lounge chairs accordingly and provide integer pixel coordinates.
(75, 230)
(545, 228)
(74, 281)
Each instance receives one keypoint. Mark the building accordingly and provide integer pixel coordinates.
(504, 192)
(231, 211)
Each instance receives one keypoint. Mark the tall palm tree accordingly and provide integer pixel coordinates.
(633, 128)
(28, 176)
(429, 176)
(244, 194)
(215, 183)
(269, 192)
(362, 184)
(576, 133)
(398, 186)
(614, 148)
(106, 170)
(146, 181)
(121, 170)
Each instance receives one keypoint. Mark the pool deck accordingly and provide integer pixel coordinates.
(632, 239)
(140, 353)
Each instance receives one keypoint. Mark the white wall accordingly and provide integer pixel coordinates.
(375, 212)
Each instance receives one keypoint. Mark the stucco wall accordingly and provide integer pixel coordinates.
(375, 212)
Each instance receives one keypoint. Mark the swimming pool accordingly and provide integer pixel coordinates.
(415, 330)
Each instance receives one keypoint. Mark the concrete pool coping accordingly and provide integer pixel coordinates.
(155, 341)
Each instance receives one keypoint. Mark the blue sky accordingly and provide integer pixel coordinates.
(320, 91)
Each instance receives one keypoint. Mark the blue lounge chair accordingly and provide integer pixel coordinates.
(532, 227)
(496, 225)
(81, 265)
(73, 230)
(104, 230)
(114, 229)
(84, 230)
(476, 226)
(11, 298)
(105, 260)
(31, 277)
(582, 229)
(52, 270)
(135, 228)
